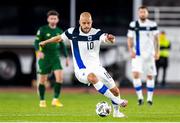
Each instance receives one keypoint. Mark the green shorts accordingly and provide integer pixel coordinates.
(47, 65)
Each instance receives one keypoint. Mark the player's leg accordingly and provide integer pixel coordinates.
(57, 88)
(41, 89)
(138, 87)
(58, 72)
(106, 78)
(102, 88)
(150, 89)
(42, 70)
(136, 71)
(116, 110)
(151, 73)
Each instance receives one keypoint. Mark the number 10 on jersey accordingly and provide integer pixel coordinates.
(90, 45)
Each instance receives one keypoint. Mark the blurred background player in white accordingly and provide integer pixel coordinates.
(143, 46)
(85, 45)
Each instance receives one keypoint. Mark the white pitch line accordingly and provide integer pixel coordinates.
(30, 115)
(76, 114)
(90, 122)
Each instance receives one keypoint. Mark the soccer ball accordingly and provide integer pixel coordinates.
(103, 109)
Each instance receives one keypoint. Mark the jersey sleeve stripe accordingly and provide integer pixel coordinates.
(143, 28)
(97, 35)
(68, 34)
(131, 28)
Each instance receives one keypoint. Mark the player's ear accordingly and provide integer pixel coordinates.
(47, 19)
(147, 14)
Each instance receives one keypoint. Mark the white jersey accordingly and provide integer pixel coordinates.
(143, 34)
(85, 47)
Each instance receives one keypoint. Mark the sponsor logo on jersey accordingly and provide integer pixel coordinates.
(48, 34)
(74, 37)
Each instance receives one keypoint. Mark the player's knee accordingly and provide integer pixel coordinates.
(58, 75)
(59, 80)
(115, 91)
(150, 77)
(92, 78)
(136, 75)
(42, 79)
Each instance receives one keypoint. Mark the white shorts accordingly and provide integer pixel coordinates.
(142, 65)
(101, 74)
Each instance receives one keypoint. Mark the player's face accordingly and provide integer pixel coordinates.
(53, 20)
(143, 14)
(85, 24)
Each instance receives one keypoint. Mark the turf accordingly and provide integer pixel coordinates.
(18, 106)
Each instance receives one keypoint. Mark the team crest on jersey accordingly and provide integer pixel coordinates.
(136, 28)
(48, 34)
(90, 38)
(38, 32)
(147, 28)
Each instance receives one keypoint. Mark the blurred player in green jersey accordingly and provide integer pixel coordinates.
(48, 58)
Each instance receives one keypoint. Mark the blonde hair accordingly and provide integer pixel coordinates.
(85, 15)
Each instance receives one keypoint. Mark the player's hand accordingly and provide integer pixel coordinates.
(110, 38)
(39, 55)
(157, 55)
(43, 43)
(67, 61)
(133, 54)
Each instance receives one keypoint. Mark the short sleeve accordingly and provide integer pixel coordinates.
(155, 31)
(39, 38)
(130, 32)
(39, 34)
(102, 38)
(64, 37)
(67, 34)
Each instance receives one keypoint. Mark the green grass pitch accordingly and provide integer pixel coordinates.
(80, 107)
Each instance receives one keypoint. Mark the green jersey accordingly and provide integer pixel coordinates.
(51, 61)
(52, 49)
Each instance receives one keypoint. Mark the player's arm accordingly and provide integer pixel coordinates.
(37, 40)
(38, 49)
(157, 47)
(131, 47)
(130, 38)
(156, 42)
(54, 39)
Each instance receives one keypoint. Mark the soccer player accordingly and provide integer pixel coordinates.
(143, 46)
(48, 58)
(85, 44)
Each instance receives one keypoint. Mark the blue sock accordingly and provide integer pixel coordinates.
(101, 88)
